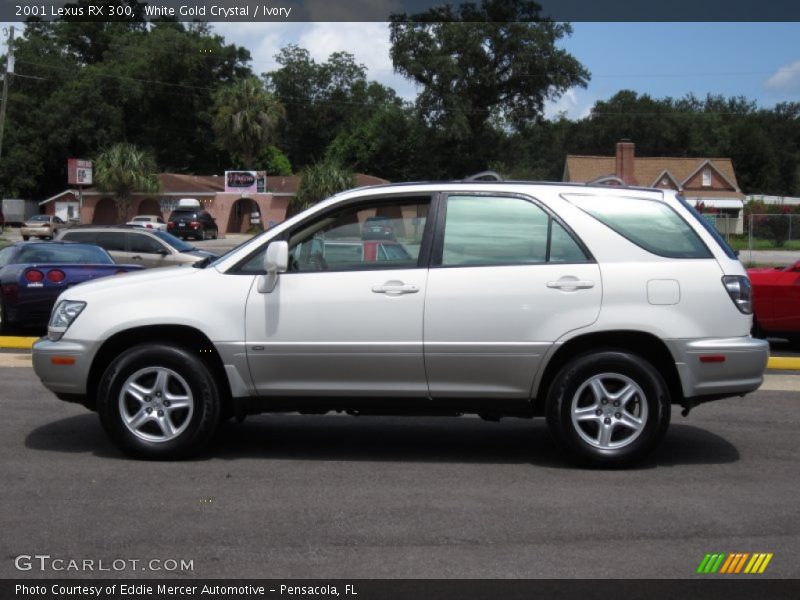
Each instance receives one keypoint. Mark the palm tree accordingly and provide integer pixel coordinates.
(245, 118)
(124, 169)
(318, 182)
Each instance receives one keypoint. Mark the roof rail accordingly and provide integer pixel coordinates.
(485, 176)
(606, 179)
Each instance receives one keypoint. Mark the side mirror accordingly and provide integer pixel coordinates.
(276, 260)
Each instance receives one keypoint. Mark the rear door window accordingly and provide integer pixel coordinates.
(504, 230)
(112, 242)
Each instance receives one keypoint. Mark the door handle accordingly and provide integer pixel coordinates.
(570, 284)
(395, 288)
(136, 257)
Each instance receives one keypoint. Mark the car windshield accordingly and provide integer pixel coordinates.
(40, 218)
(63, 253)
(211, 262)
(170, 239)
(142, 219)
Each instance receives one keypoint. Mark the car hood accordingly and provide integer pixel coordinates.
(119, 284)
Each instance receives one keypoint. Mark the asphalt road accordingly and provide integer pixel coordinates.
(333, 496)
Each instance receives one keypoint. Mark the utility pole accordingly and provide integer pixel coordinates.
(6, 83)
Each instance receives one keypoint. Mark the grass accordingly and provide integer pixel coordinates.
(740, 242)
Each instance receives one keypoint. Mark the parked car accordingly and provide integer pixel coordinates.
(378, 228)
(148, 222)
(596, 307)
(33, 274)
(149, 248)
(44, 227)
(776, 302)
(192, 223)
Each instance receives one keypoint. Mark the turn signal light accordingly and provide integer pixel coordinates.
(63, 360)
(712, 358)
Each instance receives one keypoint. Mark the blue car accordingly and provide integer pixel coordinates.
(33, 274)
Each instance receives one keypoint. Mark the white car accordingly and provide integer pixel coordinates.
(598, 308)
(148, 222)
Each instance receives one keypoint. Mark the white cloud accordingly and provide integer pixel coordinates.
(785, 79)
(569, 103)
(367, 42)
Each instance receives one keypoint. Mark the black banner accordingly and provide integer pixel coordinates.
(401, 589)
(314, 10)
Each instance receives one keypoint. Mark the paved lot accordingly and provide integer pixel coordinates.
(331, 496)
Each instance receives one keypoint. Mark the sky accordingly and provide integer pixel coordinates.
(760, 61)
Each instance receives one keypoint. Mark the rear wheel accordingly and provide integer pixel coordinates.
(608, 408)
(159, 402)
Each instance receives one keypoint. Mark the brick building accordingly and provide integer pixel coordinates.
(231, 210)
(711, 181)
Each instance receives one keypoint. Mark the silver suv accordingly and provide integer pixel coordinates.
(595, 307)
(138, 246)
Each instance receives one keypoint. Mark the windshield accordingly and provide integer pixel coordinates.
(40, 218)
(63, 253)
(203, 264)
(170, 239)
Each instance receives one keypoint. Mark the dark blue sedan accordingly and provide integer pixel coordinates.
(33, 274)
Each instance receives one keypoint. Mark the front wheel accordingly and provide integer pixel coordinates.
(608, 408)
(159, 402)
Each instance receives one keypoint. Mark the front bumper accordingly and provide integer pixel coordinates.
(67, 380)
(738, 366)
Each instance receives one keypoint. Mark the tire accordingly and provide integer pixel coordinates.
(166, 431)
(25, 238)
(5, 326)
(204, 235)
(620, 434)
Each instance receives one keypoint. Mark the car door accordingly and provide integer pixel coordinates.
(147, 251)
(113, 242)
(337, 325)
(507, 279)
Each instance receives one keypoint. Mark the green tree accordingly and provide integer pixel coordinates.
(482, 70)
(245, 118)
(122, 170)
(322, 100)
(319, 181)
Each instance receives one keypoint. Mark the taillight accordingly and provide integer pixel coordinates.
(194, 224)
(740, 291)
(149, 226)
(56, 275)
(171, 224)
(34, 276)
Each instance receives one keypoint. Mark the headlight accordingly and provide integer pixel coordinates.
(63, 316)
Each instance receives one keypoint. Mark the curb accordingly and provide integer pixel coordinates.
(16, 342)
(779, 363)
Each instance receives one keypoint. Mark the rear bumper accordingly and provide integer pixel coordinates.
(739, 370)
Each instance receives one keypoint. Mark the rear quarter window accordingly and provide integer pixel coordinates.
(650, 224)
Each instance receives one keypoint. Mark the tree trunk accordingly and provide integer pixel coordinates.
(123, 207)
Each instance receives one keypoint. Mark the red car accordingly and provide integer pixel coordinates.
(776, 301)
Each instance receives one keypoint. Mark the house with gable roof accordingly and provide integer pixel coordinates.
(711, 181)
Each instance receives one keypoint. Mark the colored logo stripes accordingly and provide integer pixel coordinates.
(737, 562)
